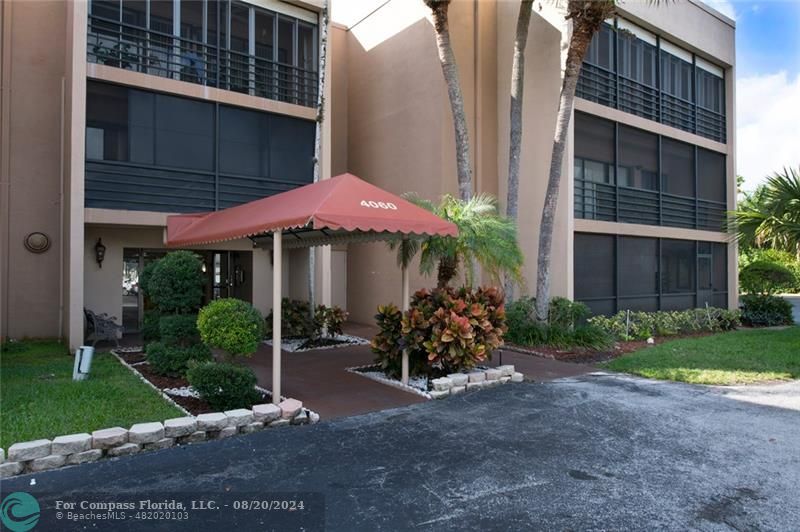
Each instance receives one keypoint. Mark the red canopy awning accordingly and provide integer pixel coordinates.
(340, 209)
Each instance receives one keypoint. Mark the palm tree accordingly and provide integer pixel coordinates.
(515, 142)
(447, 58)
(770, 217)
(484, 237)
(587, 18)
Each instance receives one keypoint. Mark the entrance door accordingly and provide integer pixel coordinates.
(705, 275)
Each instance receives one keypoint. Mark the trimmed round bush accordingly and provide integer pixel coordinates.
(765, 311)
(232, 325)
(175, 282)
(224, 386)
(173, 360)
(179, 329)
(151, 326)
(765, 277)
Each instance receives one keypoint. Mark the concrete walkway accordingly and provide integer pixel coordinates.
(588, 453)
(794, 299)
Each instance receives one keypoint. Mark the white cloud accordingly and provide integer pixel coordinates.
(767, 125)
(723, 6)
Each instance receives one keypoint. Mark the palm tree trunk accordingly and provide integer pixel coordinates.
(587, 18)
(447, 59)
(323, 56)
(447, 270)
(515, 142)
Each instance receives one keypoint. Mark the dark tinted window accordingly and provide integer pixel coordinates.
(676, 77)
(594, 149)
(243, 137)
(638, 158)
(184, 133)
(678, 266)
(106, 122)
(711, 175)
(720, 260)
(636, 59)
(638, 266)
(291, 149)
(710, 91)
(594, 265)
(601, 50)
(677, 167)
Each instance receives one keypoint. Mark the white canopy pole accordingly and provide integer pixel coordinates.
(404, 371)
(277, 283)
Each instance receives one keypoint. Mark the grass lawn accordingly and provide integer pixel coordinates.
(38, 398)
(738, 357)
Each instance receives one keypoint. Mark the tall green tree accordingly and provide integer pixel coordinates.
(587, 17)
(770, 217)
(485, 237)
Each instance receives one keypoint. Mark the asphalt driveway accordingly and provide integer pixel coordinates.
(586, 453)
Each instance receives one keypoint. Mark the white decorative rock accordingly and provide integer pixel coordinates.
(290, 408)
(48, 462)
(194, 437)
(279, 422)
(458, 389)
(29, 450)
(227, 432)
(651, 341)
(506, 370)
(493, 374)
(300, 419)
(215, 421)
(517, 377)
(505, 379)
(163, 443)
(266, 413)
(239, 417)
(439, 394)
(179, 426)
(9, 469)
(459, 379)
(124, 449)
(71, 444)
(255, 426)
(442, 384)
(108, 438)
(86, 456)
(313, 417)
(146, 433)
(476, 376)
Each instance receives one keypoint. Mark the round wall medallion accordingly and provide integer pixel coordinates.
(37, 242)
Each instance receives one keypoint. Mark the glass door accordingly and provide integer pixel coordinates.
(705, 275)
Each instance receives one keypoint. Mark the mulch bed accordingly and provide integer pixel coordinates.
(194, 405)
(585, 355)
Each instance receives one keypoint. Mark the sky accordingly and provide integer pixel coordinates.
(767, 85)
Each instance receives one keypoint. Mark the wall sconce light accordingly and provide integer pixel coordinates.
(99, 252)
(204, 268)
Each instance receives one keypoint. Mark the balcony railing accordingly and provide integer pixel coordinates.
(121, 45)
(605, 87)
(603, 201)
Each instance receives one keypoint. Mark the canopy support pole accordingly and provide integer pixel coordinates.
(404, 371)
(277, 283)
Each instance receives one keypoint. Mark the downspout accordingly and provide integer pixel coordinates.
(61, 215)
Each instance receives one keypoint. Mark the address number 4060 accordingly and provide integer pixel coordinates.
(378, 205)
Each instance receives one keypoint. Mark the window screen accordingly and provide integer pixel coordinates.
(106, 122)
(184, 133)
(676, 77)
(720, 261)
(677, 167)
(601, 49)
(243, 147)
(638, 266)
(637, 59)
(291, 149)
(638, 158)
(594, 148)
(678, 266)
(594, 265)
(710, 175)
(710, 91)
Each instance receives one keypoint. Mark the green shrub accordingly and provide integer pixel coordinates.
(224, 386)
(232, 325)
(638, 325)
(566, 325)
(151, 327)
(296, 320)
(765, 277)
(389, 343)
(329, 319)
(179, 329)
(173, 360)
(765, 310)
(565, 313)
(174, 283)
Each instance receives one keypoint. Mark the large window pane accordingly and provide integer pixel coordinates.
(594, 266)
(677, 167)
(676, 76)
(161, 16)
(286, 41)
(638, 266)
(184, 133)
(711, 175)
(265, 35)
(720, 259)
(134, 12)
(678, 265)
(594, 148)
(710, 91)
(638, 158)
(601, 50)
(242, 137)
(106, 122)
(291, 149)
(636, 59)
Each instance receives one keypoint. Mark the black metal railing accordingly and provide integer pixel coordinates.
(606, 202)
(130, 47)
(605, 87)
